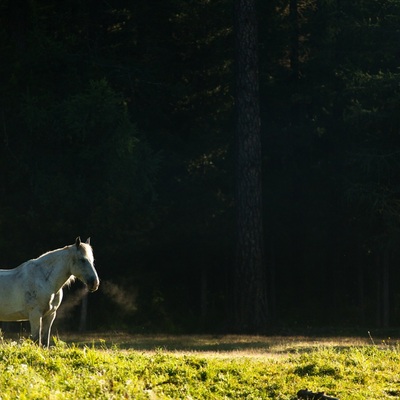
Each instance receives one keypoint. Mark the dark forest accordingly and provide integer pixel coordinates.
(118, 121)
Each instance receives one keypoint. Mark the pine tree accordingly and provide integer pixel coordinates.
(250, 303)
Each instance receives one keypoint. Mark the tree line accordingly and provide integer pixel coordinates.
(118, 122)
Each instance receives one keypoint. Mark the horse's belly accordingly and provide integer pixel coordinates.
(16, 316)
(12, 303)
(12, 310)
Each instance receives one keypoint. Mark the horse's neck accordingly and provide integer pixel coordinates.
(55, 268)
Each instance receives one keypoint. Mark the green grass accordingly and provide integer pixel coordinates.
(199, 367)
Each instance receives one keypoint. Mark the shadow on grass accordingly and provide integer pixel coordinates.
(204, 343)
(251, 345)
(276, 345)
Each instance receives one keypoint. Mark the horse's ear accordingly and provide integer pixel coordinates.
(88, 241)
(78, 242)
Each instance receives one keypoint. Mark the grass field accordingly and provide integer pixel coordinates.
(121, 366)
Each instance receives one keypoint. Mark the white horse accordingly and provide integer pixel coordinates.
(33, 291)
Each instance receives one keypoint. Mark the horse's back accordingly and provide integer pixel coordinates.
(14, 276)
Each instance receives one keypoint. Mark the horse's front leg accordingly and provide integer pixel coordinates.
(48, 319)
(47, 322)
(35, 321)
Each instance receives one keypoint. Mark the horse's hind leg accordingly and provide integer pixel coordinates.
(35, 320)
(47, 322)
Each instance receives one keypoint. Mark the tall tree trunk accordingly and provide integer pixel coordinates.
(83, 316)
(361, 293)
(382, 281)
(250, 293)
(378, 290)
(203, 295)
(385, 289)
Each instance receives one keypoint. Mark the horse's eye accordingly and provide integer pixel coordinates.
(82, 260)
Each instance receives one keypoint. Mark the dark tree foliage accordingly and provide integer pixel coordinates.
(117, 121)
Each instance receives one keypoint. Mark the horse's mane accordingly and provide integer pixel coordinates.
(85, 248)
(70, 281)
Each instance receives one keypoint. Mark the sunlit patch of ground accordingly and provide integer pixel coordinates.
(218, 346)
(215, 345)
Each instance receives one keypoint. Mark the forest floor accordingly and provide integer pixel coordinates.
(114, 365)
(224, 345)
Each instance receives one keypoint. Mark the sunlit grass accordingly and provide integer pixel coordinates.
(199, 367)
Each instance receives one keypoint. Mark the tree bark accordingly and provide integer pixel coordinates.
(83, 316)
(385, 289)
(383, 292)
(250, 297)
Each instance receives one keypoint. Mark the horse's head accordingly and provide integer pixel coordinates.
(83, 264)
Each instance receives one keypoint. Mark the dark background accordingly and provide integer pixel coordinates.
(117, 121)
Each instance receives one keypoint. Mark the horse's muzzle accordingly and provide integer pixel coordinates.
(93, 284)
